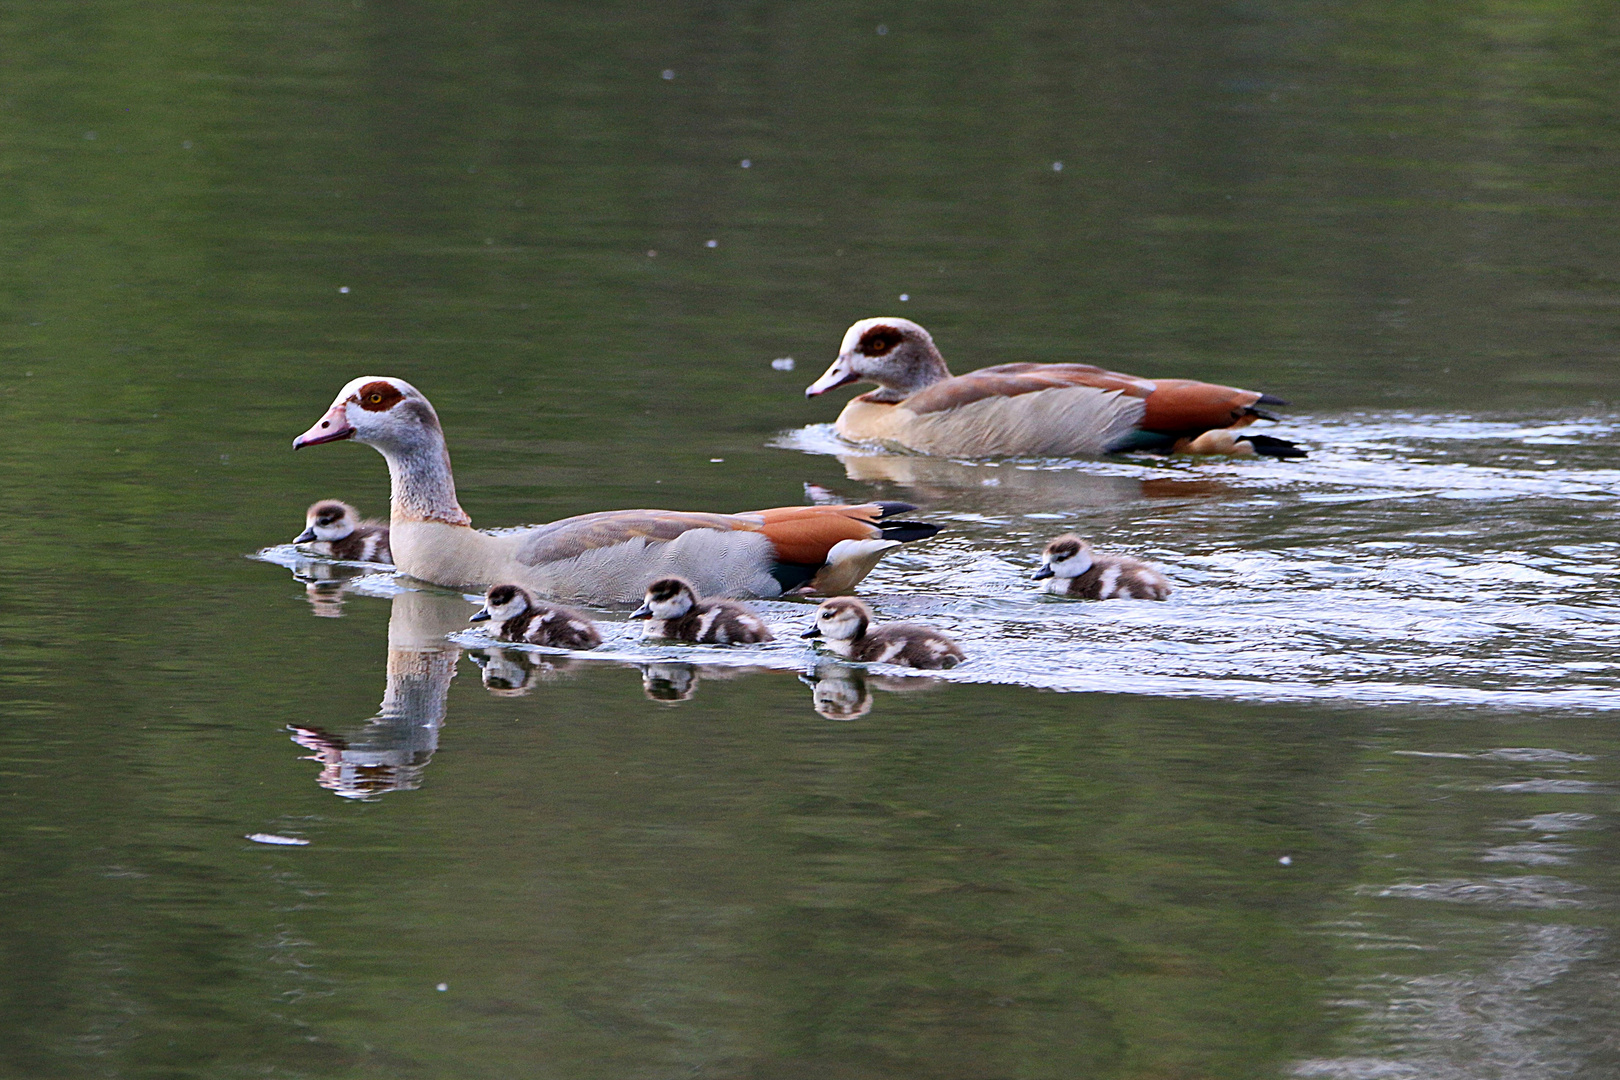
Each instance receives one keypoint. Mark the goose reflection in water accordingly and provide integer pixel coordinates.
(389, 752)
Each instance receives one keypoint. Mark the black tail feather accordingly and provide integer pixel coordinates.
(908, 530)
(1261, 414)
(1267, 399)
(1267, 446)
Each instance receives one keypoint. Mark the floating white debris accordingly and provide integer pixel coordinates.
(669, 73)
(1286, 860)
(343, 288)
(905, 296)
(442, 987)
(651, 254)
(711, 243)
(882, 29)
(716, 460)
(1057, 166)
(747, 163)
(783, 363)
(272, 838)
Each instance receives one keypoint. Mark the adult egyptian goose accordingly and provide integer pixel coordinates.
(674, 611)
(846, 625)
(334, 529)
(1031, 410)
(518, 616)
(606, 557)
(1070, 567)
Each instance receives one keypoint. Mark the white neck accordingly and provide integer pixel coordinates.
(423, 487)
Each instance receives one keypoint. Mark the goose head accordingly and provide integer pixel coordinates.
(667, 598)
(895, 353)
(504, 602)
(843, 618)
(1067, 556)
(328, 520)
(390, 414)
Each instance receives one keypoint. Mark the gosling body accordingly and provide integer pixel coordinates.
(523, 618)
(1070, 567)
(334, 529)
(845, 624)
(674, 611)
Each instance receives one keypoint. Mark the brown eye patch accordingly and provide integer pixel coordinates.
(880, 340)
(378, 396)
(502, 594)
(1063, 550)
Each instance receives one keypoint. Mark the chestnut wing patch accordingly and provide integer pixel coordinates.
(1012, 380)
(1186, 407)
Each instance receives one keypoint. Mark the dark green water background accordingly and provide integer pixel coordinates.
(1359, 206)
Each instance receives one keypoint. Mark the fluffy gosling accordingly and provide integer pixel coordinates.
(846, 624)
(673, 611)
(523, 618)
(1071, 568)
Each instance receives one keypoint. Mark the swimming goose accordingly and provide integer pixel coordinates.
(1071, 568)
(606, 557)
(520, 617)
(675, 612)
(1030, 409)
(334, 529)
(845, 623)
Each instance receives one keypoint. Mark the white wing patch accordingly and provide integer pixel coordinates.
(1068, 420)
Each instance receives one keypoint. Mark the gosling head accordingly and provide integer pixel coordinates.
(328, 520)
(895, 353)
(1066, 557)
(667, 598)
(843, 618)
(504, 602)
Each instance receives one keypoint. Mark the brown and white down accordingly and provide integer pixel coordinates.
(1031, 410)
(606, 557)
(1070, 567)
(673, 611)
(334, 529)
(520, 617)
(845, 624)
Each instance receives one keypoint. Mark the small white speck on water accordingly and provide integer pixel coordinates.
(747, 163)
(272, 838)
(783, 363)
(669, 73)
(905, 296)
(1057, 166)
(1286, 860)
(186, 145)
(343, 288)
(224, 459)
(711, 243)
(882, 30)
(651, 254)
(90, 136)
(442, 987)
(716, 460)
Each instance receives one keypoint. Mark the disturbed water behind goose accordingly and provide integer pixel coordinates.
(1344, 806)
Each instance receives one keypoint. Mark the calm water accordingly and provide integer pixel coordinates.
(1344, 807)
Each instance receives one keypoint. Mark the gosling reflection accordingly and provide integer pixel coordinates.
(1005, 487)
(326, 586)
(840, 692)
(673, 681)
(515, 672)
(389, 752)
